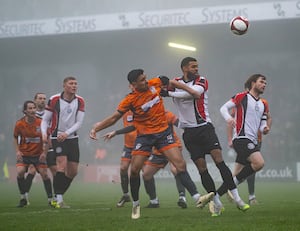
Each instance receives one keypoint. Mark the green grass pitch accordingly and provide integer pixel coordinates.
(93, 207)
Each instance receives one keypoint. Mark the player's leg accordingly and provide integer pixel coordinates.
(256, 163)
(237, 168)
(251, 183)
(67, 162)
(174, 155)
(21, 169)
(251, 189)
(51, 163)
(193, 142)
(42, 169)
(124, 166)
(28, 180)
(149, 171)
(227, 178)
(137, 163)
(180, 188)
(60, 179)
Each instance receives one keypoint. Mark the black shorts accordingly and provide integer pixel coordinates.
(126, 154)
(34, 160)
(69, 148)
(244, 148)
(200, 140)
(159, 161)
(51, 158)
(161, 141)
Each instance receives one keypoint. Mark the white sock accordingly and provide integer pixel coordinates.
(236, 181)
(136, 203)
(183, 198)
(196, 197)
(154, 201)
(217, 200)
(235, 195)
(251, 197)
(59, 198)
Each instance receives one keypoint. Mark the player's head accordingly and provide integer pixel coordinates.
(40, 100)
(254, 81)
(185, 62)
(189, 67)
(70, 85)
(137, 79)
(134, 74)
(29, 108)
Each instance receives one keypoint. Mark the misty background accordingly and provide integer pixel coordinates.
(101, 60)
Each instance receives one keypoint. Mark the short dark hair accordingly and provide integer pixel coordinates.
(134, 74)
(186, 61)
(253, 78)
(69, 78)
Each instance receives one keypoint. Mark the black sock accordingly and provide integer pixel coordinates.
(58, 183)
(180, 187)
(67, 183)
(135, 183)
(124, 182)
(207, 181)
(28, 181)
(187, 182)
(251, 183)
(150, 188)
(226, 175)
(48, 187)
(222, 189)
(244, 173)
(21, 185)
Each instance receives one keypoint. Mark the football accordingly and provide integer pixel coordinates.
(239, 25)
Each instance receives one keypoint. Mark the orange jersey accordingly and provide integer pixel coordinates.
(129, 138)
(29, 136)
(171, 118)
(147, 107)
(265, 102)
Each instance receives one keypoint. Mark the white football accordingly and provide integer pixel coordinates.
(239, 25)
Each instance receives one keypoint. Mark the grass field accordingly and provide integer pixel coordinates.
(93, 208)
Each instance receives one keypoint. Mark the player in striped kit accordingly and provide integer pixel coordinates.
(190, 95)
(65, 113)
(250, 117)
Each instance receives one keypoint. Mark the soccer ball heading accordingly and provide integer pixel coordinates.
(239, 25)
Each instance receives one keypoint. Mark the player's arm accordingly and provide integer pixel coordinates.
(229, 132)
(264, 128)
(107, 122)
(269, 120)
(189, 92)
(18, 152)
(45, 124)
(225, 112)
(75, 127)
(124, 130)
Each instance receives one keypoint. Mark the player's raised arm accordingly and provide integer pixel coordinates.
(107, 122)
